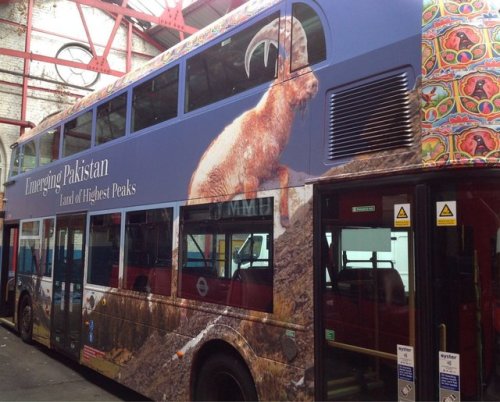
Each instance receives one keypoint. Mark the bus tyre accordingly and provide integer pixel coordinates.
(26, 320)
(224, 377)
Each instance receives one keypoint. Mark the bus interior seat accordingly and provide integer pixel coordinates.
(141, 284)
(261, 276)
(361, 282)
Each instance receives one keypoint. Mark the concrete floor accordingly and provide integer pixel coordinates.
(34, 373)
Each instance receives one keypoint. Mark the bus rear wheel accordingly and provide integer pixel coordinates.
(224, 378)
(26, 320)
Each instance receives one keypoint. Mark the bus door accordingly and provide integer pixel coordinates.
(8, 271)
(68, 284)
(367, 292)
(417, 267)
(465, 273)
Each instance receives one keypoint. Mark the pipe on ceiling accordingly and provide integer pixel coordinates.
(14, 122)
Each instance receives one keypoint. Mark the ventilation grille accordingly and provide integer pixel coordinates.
(370, 118)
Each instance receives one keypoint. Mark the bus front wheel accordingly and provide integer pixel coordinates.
(26, 320)
(224, 377)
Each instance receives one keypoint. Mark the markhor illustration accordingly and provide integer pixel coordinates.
(248, 150)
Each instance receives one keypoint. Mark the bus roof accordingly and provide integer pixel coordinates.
(217, 28)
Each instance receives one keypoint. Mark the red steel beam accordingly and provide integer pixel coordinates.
(99, 63)
(43, 79)
(86, 28)
(118, 21)
(40, 89)
(26, 68)
(54, 60)
(175, 21)
(20, 123)
(128, 64)
(77, 39)
(147, 38)
(100, 60)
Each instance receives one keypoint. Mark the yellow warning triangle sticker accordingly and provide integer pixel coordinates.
(402, 214)
(446, 211)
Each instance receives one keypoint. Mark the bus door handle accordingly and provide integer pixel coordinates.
(442, 337)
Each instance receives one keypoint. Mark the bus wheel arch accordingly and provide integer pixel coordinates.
(25, 318)
(219, 372)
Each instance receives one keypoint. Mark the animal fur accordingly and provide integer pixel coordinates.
(248, 150)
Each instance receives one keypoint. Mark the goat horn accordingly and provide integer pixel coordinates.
(268, 35)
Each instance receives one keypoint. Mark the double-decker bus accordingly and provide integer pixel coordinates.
(299, 202)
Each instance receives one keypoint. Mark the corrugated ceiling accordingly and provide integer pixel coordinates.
(197, 13)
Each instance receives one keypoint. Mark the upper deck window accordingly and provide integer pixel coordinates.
(111, 119)
(77, 134)
(220, 71)
(15, 159)
(155, 100)
(49, 146)
(316, 46)
(29, 157)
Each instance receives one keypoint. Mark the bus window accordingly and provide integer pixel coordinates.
(253, 253)
(15, 159)
(148, 251)
(49, 146)
(31, 228)
(226, 253)
(392, 253)
(219, 72)
(155, 100)
(316, 46)
(29, 157)
(206, 252)
(29, 248)
(47, 250)
(104, 249)
(77, 134)
(111, 119)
